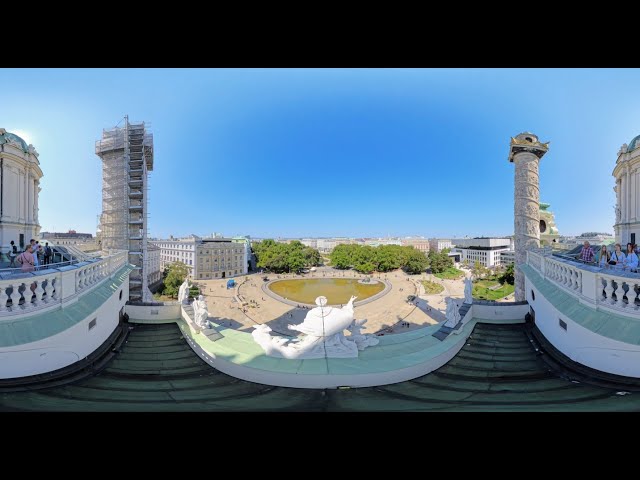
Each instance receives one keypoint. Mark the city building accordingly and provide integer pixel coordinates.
(507, 257)
(127, 157)
(84, 242)
(20, 176)
(207, 257)
(627, 187)
(487, 251)
(421, 244)
(309, 242)
(439, 244)
(154, 272)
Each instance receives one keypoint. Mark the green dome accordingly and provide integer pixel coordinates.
(633, 144)
(5, 137)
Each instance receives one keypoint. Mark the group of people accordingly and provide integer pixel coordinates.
(627, 260)
(33, 256)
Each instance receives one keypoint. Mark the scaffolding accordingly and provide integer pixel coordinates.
(127, 158)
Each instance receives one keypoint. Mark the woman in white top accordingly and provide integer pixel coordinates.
(617, 257)
(631, 260)
(603, 257)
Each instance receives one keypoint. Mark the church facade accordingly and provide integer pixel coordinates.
(627, 188)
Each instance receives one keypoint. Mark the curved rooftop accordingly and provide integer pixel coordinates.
(635, 143)
(6, 136)
(498, 369)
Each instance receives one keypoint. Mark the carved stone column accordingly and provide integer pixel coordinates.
(525, 152)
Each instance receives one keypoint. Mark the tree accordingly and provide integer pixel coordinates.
(175, 275)
(440, 262)
(416, 262)
(509, 275)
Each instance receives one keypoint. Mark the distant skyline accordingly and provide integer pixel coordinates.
(330, 152)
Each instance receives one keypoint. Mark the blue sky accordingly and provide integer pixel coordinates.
(330, 152)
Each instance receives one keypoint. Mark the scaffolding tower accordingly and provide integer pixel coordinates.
(127, 157)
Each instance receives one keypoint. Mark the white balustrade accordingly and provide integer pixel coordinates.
(31, 292)
(607, 288)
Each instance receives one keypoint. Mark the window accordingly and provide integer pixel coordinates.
(120, 298)
(533, 295)
(93, 323)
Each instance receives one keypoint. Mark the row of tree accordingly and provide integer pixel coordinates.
(367, 259)
(285, 257)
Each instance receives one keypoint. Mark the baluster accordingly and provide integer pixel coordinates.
(54, 283)
(48, 290)
(27, 294)
(79, 279)
(619, 292)
(85, 277)
(569, 278)
(636, 297)
(579, 282)
(608, 289)
(4, 298)
(38, 291)
(576, 280)
(15, 296)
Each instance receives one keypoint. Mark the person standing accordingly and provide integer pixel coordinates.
(586, 254)
(25, 259)
(13, 253)
(617, 257)
(631, 259)
(603, 257)
(47, 254)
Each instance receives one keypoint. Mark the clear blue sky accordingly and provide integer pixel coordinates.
(344, 152)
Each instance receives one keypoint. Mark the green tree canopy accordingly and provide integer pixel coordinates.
(175, 274)
(282, 257)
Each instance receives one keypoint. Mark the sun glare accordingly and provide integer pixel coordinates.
(27, 137)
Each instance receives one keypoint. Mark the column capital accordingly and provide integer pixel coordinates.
(527, 142)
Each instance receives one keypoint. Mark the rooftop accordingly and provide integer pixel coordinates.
(496, 370)
(5, 137)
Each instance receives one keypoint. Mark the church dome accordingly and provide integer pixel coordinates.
(633, 144)
(6, 136)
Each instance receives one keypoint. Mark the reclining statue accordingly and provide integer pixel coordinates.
(322, 337)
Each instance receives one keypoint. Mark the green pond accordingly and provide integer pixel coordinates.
(337, 290)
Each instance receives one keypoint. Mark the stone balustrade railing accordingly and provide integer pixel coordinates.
(609, 289)
(33, 292)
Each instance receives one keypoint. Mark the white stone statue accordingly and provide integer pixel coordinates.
(323, 335)
(183, 292)
(453, 315)
(623, 149)
(468, 288)
(200, 312)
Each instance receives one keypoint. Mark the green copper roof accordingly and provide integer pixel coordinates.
(5, 137)
(544, 206)
(156, 370)
(635, 143)
(36, 327)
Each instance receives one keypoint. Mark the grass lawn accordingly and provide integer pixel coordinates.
(482, 289)
(450, 273)
(431, 288)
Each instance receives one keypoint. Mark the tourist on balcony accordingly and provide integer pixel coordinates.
(631, 260)
(13, 253)
(586, 254)
(26, 260)
(603, 257)
(617, 257)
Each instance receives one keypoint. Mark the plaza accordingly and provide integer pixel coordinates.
(385, 315)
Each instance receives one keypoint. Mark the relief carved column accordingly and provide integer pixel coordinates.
(526, 152)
